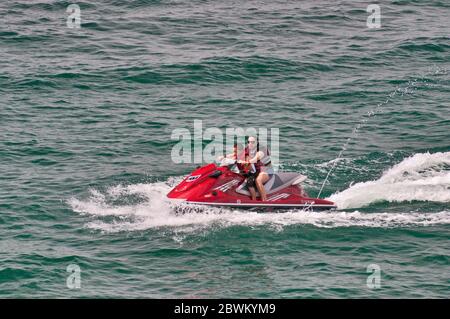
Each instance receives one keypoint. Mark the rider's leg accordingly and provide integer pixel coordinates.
(260, 180)
(251, 183)
(252, 192)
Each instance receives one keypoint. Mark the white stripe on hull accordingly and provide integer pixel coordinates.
(279, 196)
(262, 205)
(227, 185)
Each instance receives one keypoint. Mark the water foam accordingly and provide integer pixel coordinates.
(421, 177)
(155, 211)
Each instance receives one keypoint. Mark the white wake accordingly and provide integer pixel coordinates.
(421, 177)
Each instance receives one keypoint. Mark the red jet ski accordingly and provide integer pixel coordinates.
(221, 186)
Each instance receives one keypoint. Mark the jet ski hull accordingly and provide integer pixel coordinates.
(220, 187)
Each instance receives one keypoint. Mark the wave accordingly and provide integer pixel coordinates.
(222, 69)
(421, 177)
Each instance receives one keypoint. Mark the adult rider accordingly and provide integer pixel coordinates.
(259, 158)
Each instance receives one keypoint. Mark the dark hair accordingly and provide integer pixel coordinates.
(257, 142)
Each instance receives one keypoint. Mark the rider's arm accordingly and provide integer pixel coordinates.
(259, 155)
(231, 155)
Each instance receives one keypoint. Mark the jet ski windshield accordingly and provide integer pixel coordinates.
(227, 161)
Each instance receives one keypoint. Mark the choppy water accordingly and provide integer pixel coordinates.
(86, 118)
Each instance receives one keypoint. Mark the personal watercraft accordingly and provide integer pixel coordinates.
(223, 186)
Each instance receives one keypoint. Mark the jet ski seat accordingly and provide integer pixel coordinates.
(275, 183)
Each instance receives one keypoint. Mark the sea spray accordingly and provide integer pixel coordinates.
(410, 88)
(421, 177)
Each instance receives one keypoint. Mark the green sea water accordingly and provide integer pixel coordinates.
(86, 120)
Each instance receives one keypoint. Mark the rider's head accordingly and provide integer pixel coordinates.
(252, 142)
